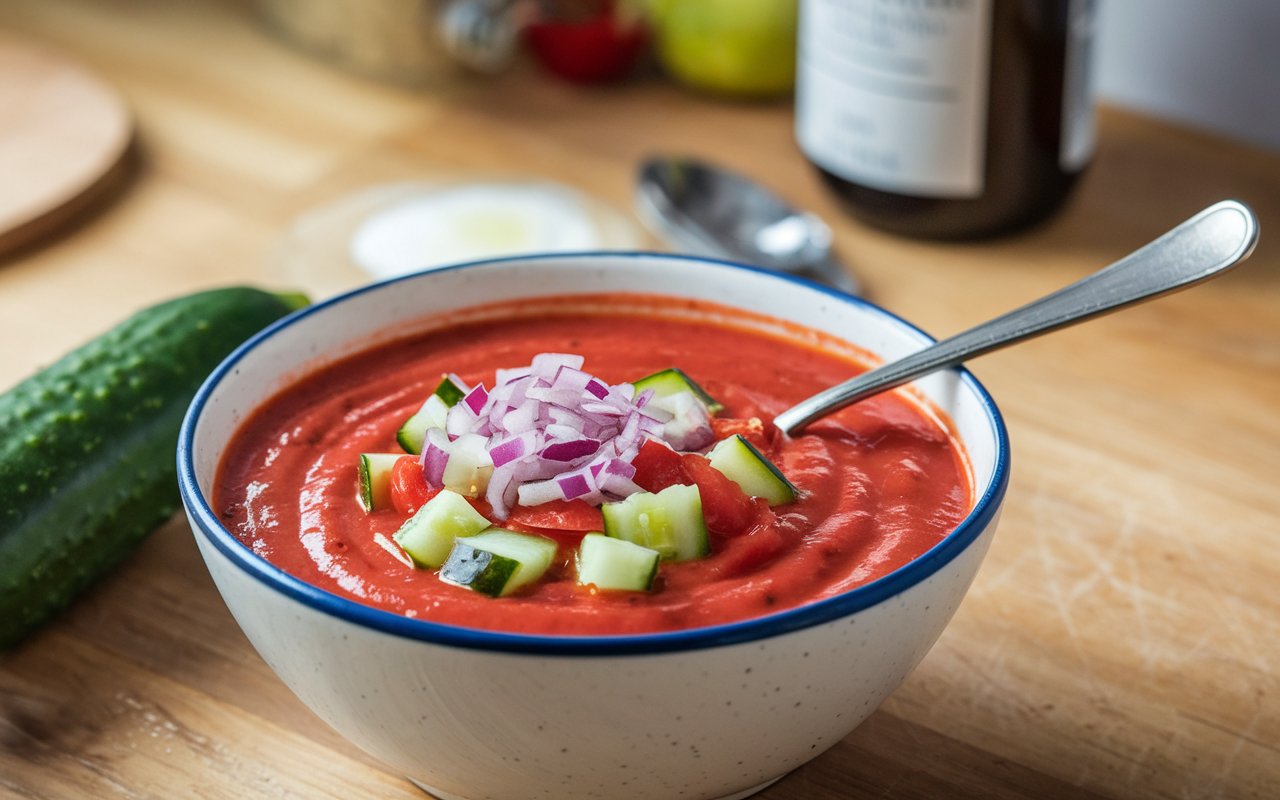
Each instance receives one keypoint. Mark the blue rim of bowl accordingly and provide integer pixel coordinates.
(749, 630)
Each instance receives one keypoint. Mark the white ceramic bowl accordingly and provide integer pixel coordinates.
(715, 712)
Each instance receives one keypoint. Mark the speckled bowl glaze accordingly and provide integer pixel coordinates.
(715, 712)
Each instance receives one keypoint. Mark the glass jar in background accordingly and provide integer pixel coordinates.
(946, 119)
(411, 42)
(432, 42)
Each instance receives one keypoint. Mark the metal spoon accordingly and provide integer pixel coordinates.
(708, 211)
(1201, 248)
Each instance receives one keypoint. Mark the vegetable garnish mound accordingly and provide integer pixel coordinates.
(553, 433)
(550, 431)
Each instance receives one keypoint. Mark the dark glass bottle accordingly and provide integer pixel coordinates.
(946, 119)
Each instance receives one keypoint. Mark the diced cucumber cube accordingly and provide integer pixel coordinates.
(414, 430)
(431, 415)
(375, 480)
(429, 534)
(498, 562)
(670, 522)
(610, 563)
(739, 461)
(451, 389)
(673, 381)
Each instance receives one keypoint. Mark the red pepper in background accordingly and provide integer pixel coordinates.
(594, 45)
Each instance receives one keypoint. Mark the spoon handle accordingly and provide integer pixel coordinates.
(1209, 243)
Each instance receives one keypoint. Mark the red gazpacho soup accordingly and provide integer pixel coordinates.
(590, 465)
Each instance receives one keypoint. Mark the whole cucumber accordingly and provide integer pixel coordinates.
(87, 445)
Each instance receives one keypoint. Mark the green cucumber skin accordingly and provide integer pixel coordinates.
(674, 375)
(87, 445)
(478, 570)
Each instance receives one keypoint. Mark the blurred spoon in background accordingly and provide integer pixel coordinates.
(704, 210)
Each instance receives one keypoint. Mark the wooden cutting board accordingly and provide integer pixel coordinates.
(63, 137)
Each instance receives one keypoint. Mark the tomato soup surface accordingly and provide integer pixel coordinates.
(879, 483)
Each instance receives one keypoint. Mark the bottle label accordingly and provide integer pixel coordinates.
(892, 94)
(1078, 136)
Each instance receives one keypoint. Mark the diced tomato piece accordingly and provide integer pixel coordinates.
(482, 506)
(753, 430)
(561, 515)
(409, 490)
(726, 508)
(657, 467)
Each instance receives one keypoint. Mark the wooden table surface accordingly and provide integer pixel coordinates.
(1122, 639)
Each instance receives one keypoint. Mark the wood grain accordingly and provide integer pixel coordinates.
(1121, 641)
(64, 135)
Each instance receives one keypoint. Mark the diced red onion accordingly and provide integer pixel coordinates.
(690, 426)
(653, 412)
(631, 429)
(510, 449)
(476, 399)
(512, 393)
(523, 417)
(567, 418)
(555, 432)
(571, 378)
(573, 485)
(561, 433)
(545, 365)
(617, 466)
(602, 409)
(502, 493)
(503, 377)
(538, 492)
(618, 485)
(459, 420)
(435, 456)
(532, 468)
(565, 398)
(596, 388)
(570, 451)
